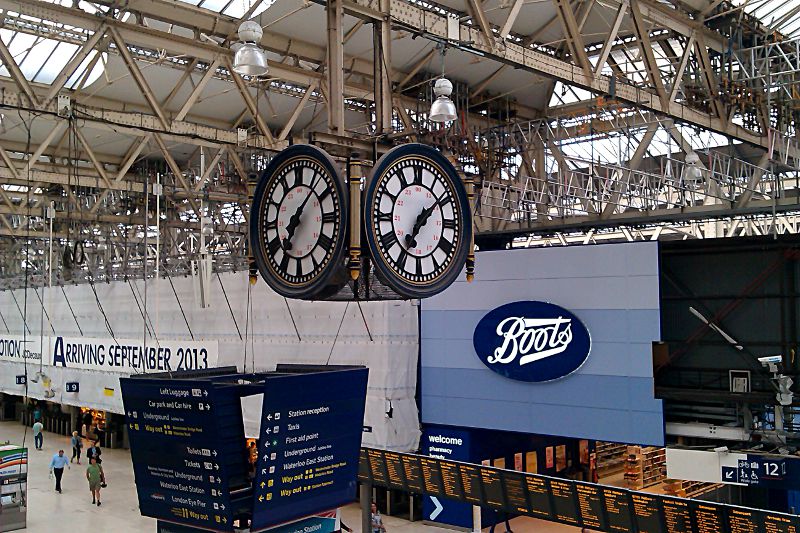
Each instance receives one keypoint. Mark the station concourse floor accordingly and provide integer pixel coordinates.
(72, 511)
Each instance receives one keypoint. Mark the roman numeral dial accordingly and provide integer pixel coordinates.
(417, 220)
(297, 221)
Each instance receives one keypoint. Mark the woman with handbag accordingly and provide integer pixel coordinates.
(77, 444)
(96, 478)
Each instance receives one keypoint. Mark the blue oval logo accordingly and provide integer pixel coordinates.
(532, 341)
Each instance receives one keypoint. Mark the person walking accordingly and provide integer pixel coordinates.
(376, 520)
(96, 478)
(77, 444)
(57, 464)
(38, 437)
(94, 452)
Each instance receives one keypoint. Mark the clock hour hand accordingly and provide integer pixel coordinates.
(422, 219)
(294, 220)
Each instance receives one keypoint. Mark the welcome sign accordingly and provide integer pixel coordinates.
(532, 341)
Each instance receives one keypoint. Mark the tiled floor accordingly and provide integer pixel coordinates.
(72, 511)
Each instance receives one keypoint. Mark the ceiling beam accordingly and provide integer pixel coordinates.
(434, 25)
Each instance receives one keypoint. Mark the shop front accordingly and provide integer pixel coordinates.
(546, 354)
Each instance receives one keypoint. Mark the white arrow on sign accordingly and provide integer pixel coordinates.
(729, 474)
(438, 508)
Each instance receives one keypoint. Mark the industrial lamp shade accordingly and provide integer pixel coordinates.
(443, 109)
(250, 60)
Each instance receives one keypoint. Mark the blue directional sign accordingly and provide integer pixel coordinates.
(311, 428)
(184, 464)
(730, 474)
(759, 470)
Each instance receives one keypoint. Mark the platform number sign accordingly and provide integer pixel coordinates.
(752, 470)
(22, 380)
(72, 386)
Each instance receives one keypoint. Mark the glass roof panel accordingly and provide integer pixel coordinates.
(779, 15)
(41, 59)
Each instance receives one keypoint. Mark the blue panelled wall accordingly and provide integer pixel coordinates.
(614, 291)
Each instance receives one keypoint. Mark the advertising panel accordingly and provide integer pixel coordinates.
(532, 341)
(126, 356)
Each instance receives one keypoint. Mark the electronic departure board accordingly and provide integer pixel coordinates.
(565, 503)
(471, 480)
(539, 496)
(516, 500)
(647, 511)
(394, 471)
(492, 488)
(708, 517)
(780, 523)
(451, 480)
(618, 510)
(596, 507)
(744, 520)
(431, 476)
(377, 465)
(413, 472)
(590, 503)
(677, 515)
(364, 473)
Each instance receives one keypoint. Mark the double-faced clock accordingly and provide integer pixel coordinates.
(298, 223)
(417, 220)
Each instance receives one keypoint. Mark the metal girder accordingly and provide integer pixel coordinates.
(633, 164)
(417, 18)
(16, 74)
(687, 52)
(382, 54)
(476, 9)
(218, 25)
(187, 73)
(612, 35)
(252, 107)
(134, 151)
(138, 77)
(287, 128)
(572, 33)
(133, 123)
(709, 79)
(74, 63)
(505, 31)
(335, 67)
(176, 171)
(197, 91)
(755, 178)
(646, 49)
(416, 68)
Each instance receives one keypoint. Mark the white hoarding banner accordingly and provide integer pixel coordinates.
(127, 356)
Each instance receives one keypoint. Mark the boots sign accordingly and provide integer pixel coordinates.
(532, 341)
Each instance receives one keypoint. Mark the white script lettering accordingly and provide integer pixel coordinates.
(532, 338)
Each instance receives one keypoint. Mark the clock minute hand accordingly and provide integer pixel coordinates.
(294, 220)
(422, 219)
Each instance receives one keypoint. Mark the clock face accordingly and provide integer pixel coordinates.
(298, 220)
(418, 222)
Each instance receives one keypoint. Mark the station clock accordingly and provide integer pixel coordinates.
(298, 223)
(417, 220)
